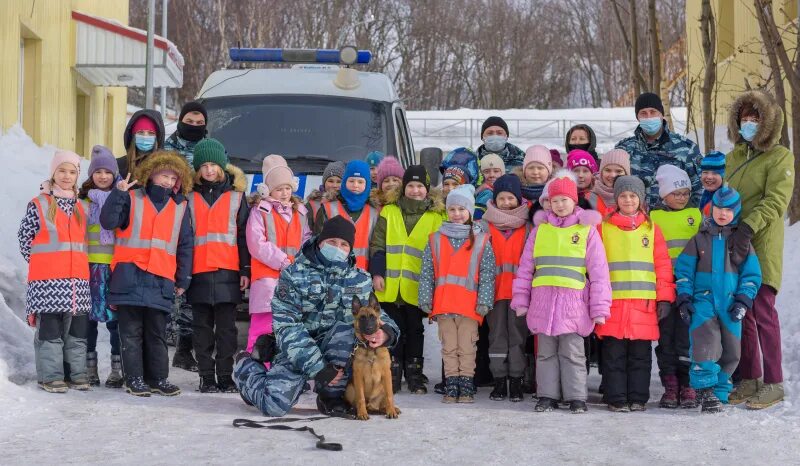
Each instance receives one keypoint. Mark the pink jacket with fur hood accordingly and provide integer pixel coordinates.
(553, 310)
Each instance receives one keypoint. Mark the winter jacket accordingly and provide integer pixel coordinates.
(267, 252)
(222, 286)
(512, 155)
(412, 211)
(483, 195)
(670, 148)
(311, 296)
(182, 146)
(322, 216)
(704, 270)
(377, 198)
(315, 200)
(636, 319)
(122, 162)
(763, 173)
(555, 310)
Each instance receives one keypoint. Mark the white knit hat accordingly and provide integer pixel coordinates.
(464, 196)
(670, 179)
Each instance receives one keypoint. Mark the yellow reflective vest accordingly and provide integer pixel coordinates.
(559, 255)
(630, 261)
(678, 227)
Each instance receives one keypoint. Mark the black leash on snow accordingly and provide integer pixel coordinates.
(273, 424)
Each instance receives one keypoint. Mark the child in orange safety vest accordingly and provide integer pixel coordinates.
(456, 288)
(53, 240)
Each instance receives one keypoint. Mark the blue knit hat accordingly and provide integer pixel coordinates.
(355, 169)
(374, 158)
(714, 161)
(728, 198)
(510, 184)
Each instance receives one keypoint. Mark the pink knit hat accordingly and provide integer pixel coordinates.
(616, 157)
(539, 154)
(563, 187)
(276, 172)
(64, 156)
(581, 158)
(389, 166)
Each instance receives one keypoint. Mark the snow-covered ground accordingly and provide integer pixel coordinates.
(108, 426)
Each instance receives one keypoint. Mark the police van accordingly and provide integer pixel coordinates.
(318, 111)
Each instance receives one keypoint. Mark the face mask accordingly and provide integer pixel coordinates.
(651, 126)
(495, 143)
(579, 146)
(191, 132)
(332, 253)
(748, 130)
(145, 143)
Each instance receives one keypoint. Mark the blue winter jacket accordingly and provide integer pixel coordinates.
(705, 272)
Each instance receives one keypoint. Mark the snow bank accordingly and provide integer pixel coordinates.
(787, 301)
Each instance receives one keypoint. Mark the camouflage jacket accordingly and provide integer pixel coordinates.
(313, 294)
(512, 155)
(184, 147)
(670, 148)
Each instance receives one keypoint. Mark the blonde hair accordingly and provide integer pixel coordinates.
(198, 178)
(51, 210)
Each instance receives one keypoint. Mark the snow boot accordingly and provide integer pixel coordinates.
(81, 385)
(500, 392)
(577, 407)
(466, 389)
(264, 348)
(225, 384)
(183, 358)
(451, 390)
(746, 389)
(619, 407)
(414, 377)
(115, 379)
(397, 375)
(56, 386)
(91, 369)
(669, 399)
(164, 387)
(136, 386)
(208, 384)
(515, 393)
(688, 398)
(709, 403)
(637, 406)
(545, 405)
(769, 394)
(334, 407)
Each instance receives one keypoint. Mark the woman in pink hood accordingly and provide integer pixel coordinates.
(563, 287)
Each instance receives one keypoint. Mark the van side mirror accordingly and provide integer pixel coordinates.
(431, 158)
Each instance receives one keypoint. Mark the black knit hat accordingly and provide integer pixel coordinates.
(649, 100)
(494, 121)
(417, 173)
(338, 227)
(193, 106)
(509, 183)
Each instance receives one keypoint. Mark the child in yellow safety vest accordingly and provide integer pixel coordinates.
(400, 236)
(456, 288)
(103, 171)
(53, 240)
(679, 223)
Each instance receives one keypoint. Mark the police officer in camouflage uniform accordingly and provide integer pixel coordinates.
(313, 324)
(653, 145)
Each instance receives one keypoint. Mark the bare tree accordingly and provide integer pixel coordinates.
(708, 33)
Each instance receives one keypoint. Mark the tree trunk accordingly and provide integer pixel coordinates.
(794, 205)
(656, 80)
(708, 32)
(635, 71)
(774, 63)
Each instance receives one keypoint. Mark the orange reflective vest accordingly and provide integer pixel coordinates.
(507, 254)
(59, 249)
(150, 240)
(364, 227)
(456, 274)
(286, 236)
(215, 244)
(599, 205)
(315, 205)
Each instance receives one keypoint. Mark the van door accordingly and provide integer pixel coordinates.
(405, 146)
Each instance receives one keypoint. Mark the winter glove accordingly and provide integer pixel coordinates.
(740, 306)
(739, 243)
(482, 310)
(663, 308)
(326, 375)
(685, 308)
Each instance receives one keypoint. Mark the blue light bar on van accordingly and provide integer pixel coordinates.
(295, 55)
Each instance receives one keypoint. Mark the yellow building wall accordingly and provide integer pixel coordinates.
(740, 52)
(57, 102)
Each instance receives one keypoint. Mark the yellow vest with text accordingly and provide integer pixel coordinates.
(630, 261)
(678, 227)
(559, 255)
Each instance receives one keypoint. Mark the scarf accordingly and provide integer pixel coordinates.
(705, 199)
(355, 202)
(532, 192)
(605, 193)
(55, 190)
(98, 198)
(456, 230)
(507, 219)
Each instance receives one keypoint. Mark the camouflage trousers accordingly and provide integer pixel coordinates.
(276, 390)
(180, 323)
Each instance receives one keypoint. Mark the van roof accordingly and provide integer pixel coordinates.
(289, 81)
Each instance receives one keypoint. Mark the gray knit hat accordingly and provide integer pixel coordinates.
(333, 169)
(629, 183)
(464, 196)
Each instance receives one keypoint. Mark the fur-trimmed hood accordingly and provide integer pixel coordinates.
(165, 160)
(322, 196)
(377, 197)
(770, 126)
(435, 198)
(235, 177)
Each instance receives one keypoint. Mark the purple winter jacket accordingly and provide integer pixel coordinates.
(554, 310)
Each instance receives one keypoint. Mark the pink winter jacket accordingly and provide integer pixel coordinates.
(553, 310)
(262, 290)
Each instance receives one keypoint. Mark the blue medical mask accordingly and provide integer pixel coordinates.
(651, 126)
(495, 143)
(145, 143)
(748, 130)
(332, 253)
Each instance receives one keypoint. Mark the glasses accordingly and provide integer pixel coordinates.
(681, 194)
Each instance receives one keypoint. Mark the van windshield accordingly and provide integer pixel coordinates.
(308, 130)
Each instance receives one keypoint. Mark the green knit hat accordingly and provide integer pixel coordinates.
(209, 150)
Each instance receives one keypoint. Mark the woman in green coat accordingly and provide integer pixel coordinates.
(762, 171)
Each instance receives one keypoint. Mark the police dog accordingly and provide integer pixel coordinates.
(370, 387)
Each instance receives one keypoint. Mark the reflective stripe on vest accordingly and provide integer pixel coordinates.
(630, 261)
(559, 255)
(287, 236)
(507, 254)
(151, 239)
(59, 249)
(456, 275)
(678, 227)
(215, 245)
(98, 253)
(404, 254)
(365, 225)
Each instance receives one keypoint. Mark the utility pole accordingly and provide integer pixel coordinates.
(164, 7)
(148, 70)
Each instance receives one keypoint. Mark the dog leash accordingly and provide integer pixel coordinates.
(273, 424)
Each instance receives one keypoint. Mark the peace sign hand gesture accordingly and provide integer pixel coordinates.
(124, 185)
